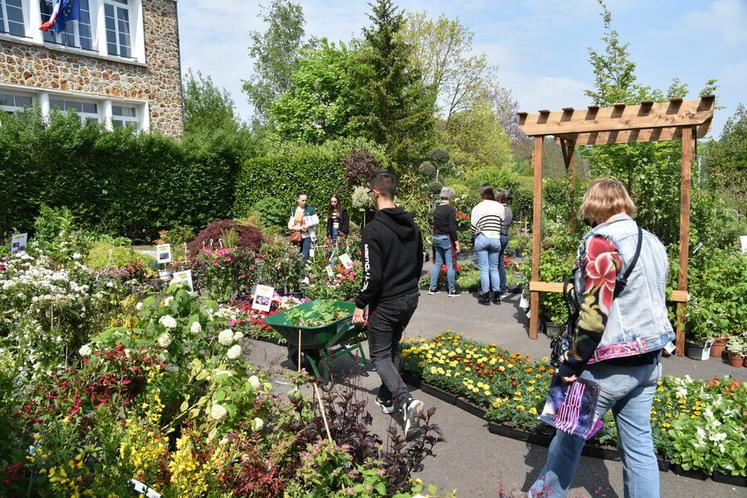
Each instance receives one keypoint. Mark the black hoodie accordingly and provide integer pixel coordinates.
(392, 257)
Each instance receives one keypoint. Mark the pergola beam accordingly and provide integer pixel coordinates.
(619, 117)
(632, 136)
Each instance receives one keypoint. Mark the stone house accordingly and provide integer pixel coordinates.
(118, 64)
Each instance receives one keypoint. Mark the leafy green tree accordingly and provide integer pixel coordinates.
(442, 52)
(476, 138)
(726, 161)
(393, 108)
(206, 107)
(319, 106)
(276, 53)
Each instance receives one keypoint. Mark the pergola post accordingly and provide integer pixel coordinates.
(569, 157)
(688, 151)
(536, 235)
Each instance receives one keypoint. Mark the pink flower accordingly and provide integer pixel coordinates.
(602, 264)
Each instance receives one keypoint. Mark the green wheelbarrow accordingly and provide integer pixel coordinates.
(322, 345)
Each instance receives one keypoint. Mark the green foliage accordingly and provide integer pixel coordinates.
(476, 139)
(56, 234)
(394, 108)
(273, 213)
(149, 180)
(725, 162)
(318, 107)
(290, 168)
(275, 53)
(206, 107)
(105, 255)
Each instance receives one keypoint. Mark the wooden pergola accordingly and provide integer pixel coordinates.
(620, 124)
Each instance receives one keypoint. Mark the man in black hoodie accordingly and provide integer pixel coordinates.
(392, 262)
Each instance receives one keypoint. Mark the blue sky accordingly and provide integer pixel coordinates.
(539, 46)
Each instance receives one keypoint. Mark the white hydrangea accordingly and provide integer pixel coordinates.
(168, 300)
(254, 382)
(85, 350)
(225, 337)
(237, 336)
(233, 352)
(258, 424)
(218, 412)
(167, 321)
(77, 256)
(139, 306)
(196, 328)
(164, 340)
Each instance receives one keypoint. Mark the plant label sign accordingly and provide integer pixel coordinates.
(183, 277)
(330, 273)
(163, 253)
(347, 263)
(18, 243)
(263, 298)
(743, 241)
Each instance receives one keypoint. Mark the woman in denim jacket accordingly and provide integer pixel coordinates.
(618, 340)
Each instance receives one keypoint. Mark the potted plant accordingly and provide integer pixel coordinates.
(717, 348)
(737, 349)
(698, 345)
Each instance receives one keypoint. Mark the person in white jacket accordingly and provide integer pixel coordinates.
(487, 223)
(304, 219)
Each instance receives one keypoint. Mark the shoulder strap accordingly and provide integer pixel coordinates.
(622, 280)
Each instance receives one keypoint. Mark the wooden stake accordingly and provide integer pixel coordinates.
(688, 150)
(536, 235)
(299, 350)
(324, 413)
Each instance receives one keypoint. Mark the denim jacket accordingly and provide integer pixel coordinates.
(638, 321)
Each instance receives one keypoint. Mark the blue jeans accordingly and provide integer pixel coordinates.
(306, 248)
(502, 264)
(629, 393)
(487, 251)
(444, 256)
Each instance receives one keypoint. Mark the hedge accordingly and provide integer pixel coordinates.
(291, 167)
(122, 181)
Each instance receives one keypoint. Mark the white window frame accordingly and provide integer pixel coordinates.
(5, 27)
(127, 120)
(97, 116)
(116, 6)
(15, 108)
(73, 28)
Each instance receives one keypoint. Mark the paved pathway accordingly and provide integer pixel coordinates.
(475, 462)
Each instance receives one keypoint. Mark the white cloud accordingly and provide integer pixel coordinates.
(726, 18)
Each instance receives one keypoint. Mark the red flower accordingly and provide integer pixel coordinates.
(602, 264)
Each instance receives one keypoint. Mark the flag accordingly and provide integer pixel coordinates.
(62, 11)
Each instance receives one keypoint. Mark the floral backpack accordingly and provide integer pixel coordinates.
(561, 344)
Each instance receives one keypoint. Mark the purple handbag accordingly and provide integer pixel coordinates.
(571, 408)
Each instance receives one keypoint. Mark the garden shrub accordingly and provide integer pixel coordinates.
(358, 166)
(117, 182)
(247, 236)
(272, 212)
(56, 234)
(105, 255)
(291, 168)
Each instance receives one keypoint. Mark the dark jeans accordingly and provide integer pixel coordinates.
(305, 248)
(386, 322)
(502, 264)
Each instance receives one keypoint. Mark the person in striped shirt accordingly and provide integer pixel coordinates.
(487, 223)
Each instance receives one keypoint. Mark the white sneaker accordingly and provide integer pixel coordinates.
(387, 406)
(432, 292)
(410, 411)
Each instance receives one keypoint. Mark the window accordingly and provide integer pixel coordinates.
(123, 115)
(12, 103)
(77, 33)
(11, 17)
(118, 37)
(87, 111)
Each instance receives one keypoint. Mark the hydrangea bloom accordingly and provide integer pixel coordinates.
(164, 340)
(254, 382)
(225, 337)
(85, 350)
(218, 412)
(196, 328)
(167, 321)
(234, 352)
(258, 424)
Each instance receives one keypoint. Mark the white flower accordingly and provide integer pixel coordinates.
(77, 256)
(719, 436)
(237, 336)
(139, 306)
(234, 352)
(85, 350)
(164, 340)
(258, 424)
(167, 321)
(196, 328)
(168, 300)
(254, 381)
(217, 412)
(225, 337)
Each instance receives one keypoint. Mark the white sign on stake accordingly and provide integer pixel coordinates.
(330, 273)
(347, 263)
(263, 297)
(18, 243)
(183, 277)
(743, 241)
(163, 253)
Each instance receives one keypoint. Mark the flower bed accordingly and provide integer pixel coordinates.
(696, 424)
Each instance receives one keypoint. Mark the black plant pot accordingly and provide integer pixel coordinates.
(729, 479)
(470, 407)
(506, 431)
(438, 393)
(693, 474)
(603, 452)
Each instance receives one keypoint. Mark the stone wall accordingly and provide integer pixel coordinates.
(158, 81)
